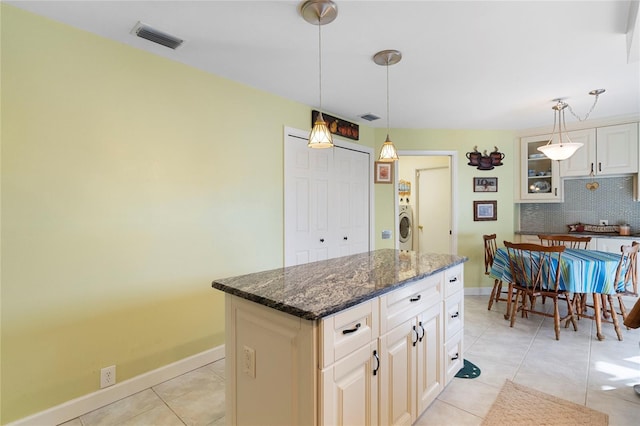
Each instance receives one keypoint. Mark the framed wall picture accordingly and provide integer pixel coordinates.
(383, 172)
(485, 210)
(482, 184)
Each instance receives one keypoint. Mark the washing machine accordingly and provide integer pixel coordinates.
(405, 233)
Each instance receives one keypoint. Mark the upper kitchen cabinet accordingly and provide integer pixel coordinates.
(539, 175)
(611, 150)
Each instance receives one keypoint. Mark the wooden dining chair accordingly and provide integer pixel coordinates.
(569, 241)
(627, 273)
(535, 272)
(490, 248)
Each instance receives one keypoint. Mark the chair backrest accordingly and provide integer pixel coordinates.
(628, 263)
(569, 241)
(490, 248)
(535, 267)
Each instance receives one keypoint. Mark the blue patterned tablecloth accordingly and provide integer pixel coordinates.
(581, 271)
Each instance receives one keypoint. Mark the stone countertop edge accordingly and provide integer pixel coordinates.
(316, 290)
(582, 234)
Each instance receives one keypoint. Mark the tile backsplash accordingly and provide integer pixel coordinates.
(612, 201)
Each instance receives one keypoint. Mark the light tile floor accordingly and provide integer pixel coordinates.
(578, 367)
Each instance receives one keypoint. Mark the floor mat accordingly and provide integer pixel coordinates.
(469, 371)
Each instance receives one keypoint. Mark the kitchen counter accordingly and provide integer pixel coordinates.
(583, 234)
(316, 290)
(330, 342)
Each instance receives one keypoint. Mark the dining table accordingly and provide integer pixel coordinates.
(582, 272)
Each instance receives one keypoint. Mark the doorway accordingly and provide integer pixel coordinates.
(433, 176)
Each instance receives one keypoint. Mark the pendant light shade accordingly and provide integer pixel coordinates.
(319, 12)
(560, 146)
(388, 151)
(320, 136)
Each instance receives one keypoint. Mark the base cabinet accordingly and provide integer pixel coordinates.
(411, 367)
(382, 362)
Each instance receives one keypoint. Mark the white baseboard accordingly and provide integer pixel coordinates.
(86, 403)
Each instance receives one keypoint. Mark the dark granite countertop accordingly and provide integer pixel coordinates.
(583, 234)
(315, 290)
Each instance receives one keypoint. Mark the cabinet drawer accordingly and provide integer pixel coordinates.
(404, 303)
(453, 280)
(453, 314)
(346, 331)
(453, 360)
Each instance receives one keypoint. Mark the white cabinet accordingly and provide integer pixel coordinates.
(453, 322)
(524, 238)
(610, 150)
(539, 175)
(584, 160)
(381, 362)
(411, 370)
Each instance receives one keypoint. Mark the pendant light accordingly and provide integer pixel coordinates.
(387, 57)
(560, 146)
(319, 12)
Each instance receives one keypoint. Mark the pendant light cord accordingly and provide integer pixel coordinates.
(387, 97)
(320, 60)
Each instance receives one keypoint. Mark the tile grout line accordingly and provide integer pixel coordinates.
(167, 405)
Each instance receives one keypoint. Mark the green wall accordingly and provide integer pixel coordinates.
(129, 183)
(470, 233)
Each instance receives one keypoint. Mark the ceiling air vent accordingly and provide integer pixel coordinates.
(369, 117)
(156, 36)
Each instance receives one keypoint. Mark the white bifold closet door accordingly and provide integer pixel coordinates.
(327, 201)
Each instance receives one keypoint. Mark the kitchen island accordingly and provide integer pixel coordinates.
(370, 338)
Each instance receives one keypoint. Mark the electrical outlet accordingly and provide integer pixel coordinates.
(249, 361)
(603, 222)
(107, 376)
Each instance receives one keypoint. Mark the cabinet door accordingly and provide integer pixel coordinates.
(397, 376)
(617, 149)
(524, 238)
(539, 175)
(584, 160)
(430, 370)
(350, 389)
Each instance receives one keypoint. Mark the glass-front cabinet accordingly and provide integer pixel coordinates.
(539, 175)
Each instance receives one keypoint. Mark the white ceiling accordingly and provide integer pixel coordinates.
(465, 65)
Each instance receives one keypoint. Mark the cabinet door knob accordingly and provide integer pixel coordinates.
(322, 240)
(345, 238)
(375, 355)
